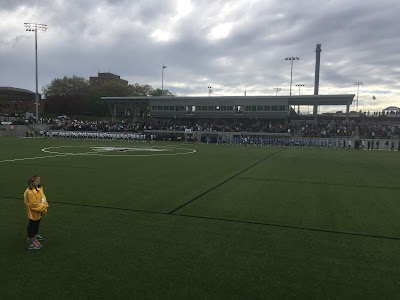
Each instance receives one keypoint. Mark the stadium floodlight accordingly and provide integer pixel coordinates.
(162, 80)
(209, 91)
(291, 58)
(300, 85)
(277, 90)
(36, 27)
(358, 83)
(298, 106)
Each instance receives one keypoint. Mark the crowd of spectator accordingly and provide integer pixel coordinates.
(324, 129)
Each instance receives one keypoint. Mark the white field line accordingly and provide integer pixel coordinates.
(59, 154)
(189, 151)
(32, 158)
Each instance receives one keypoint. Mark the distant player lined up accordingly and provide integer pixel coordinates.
(98, 135)
(288, 142)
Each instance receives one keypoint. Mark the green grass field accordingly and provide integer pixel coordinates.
(223, 222)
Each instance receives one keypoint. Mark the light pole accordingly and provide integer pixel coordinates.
(209, 91)
(358, 83)
(162, 79)
(277, 90)
(36, 27)
(300, 85)
(298, 106)
(291, 70)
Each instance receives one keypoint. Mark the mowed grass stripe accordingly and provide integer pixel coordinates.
(294, 227)
(321, 183)
(359, 234)
(223, 182)
(155, 256)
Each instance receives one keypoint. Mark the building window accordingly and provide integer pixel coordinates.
(260, 108)
(238, 109)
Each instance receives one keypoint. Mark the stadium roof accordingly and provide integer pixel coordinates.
(392, 108)
(345, 99)
(13, 89)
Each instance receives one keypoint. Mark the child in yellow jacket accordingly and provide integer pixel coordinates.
(36, 206)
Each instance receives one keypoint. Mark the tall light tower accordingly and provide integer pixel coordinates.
(291, 70)
(298, 106)
(162, 80)
(358, 83)
(300, 85)
(209, 91)
(36, 27)
(277, 90)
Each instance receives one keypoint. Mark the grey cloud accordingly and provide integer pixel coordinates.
(359, 43)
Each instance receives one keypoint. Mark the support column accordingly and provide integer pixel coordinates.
(132, 111)
(315, 113)
(111, 111)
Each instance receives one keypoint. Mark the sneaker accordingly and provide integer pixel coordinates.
(39, 238)
(33, 247)
(39, 245)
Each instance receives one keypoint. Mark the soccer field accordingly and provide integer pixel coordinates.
(176, 220)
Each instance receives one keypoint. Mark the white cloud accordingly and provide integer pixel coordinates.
(161, 35)
(220, 31)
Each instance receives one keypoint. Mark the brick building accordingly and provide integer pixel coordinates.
(20, 101)
(106, 77)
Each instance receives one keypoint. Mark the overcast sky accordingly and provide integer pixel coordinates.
(232, 46)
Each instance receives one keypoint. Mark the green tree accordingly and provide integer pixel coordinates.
(67, 86)
(113, 88)
(159, 92)
(140, 90)
(75, 95)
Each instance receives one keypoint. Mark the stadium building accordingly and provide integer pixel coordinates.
(18, 101)
(227, 107)
(233, 107)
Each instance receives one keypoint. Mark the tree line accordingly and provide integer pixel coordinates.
(75, 95)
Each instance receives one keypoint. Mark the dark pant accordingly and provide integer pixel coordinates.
(33, 228)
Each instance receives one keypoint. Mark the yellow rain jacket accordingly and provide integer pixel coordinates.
(35, 203)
